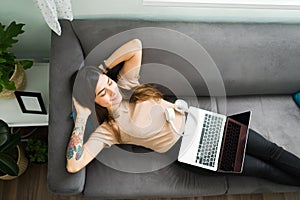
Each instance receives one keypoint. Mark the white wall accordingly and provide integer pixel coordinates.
(35, 42)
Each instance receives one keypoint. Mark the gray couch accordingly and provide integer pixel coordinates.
(259, 67)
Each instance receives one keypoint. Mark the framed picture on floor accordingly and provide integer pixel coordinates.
(31, 102)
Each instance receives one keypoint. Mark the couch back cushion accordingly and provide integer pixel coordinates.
(203, 59)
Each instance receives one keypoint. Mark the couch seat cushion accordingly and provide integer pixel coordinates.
(171, 181)
(275, 117)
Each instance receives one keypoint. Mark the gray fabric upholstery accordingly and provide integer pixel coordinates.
(250, 185)
(247, 55)
(171, 181)
(62, 65)
(276, 117)
(259, 67)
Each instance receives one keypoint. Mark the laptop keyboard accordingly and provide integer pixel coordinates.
(207, 151)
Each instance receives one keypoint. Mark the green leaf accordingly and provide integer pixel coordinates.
(10, 85)
(8, 60)
(37, 150)
(13, 141)
(4, 127)
(8, 165)
(4, 132)
(3, 139)
(7, 35)
(26, 63)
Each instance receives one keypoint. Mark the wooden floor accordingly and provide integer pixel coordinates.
(32, 185)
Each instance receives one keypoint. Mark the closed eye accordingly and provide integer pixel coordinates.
(102, 92)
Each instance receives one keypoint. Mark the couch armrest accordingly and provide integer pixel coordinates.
(66, 57)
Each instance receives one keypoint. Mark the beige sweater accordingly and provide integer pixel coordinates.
(142, 123)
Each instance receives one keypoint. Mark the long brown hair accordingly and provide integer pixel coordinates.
(142, 93)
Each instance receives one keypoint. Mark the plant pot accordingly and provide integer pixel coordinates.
(22, 163)
(19, 79)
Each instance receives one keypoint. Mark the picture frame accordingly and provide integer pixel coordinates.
(31, 102)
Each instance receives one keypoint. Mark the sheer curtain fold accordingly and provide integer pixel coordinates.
(52, 10)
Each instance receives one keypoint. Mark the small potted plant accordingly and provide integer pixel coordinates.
(13, 161)
(37, 150)
(12, 74)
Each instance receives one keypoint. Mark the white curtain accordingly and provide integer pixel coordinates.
(52, 10)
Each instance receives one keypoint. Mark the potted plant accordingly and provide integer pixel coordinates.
(12, 74)
(37, 150)
(13, 161)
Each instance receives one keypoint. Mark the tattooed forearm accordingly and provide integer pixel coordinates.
(75, 148)
(79, 126)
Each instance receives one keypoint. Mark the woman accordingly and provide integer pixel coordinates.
(141, 106)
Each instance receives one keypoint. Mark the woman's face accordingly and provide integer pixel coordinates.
(107, 92)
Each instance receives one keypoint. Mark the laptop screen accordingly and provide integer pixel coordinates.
(243, 118)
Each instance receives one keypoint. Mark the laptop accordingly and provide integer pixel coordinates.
(214, 141)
